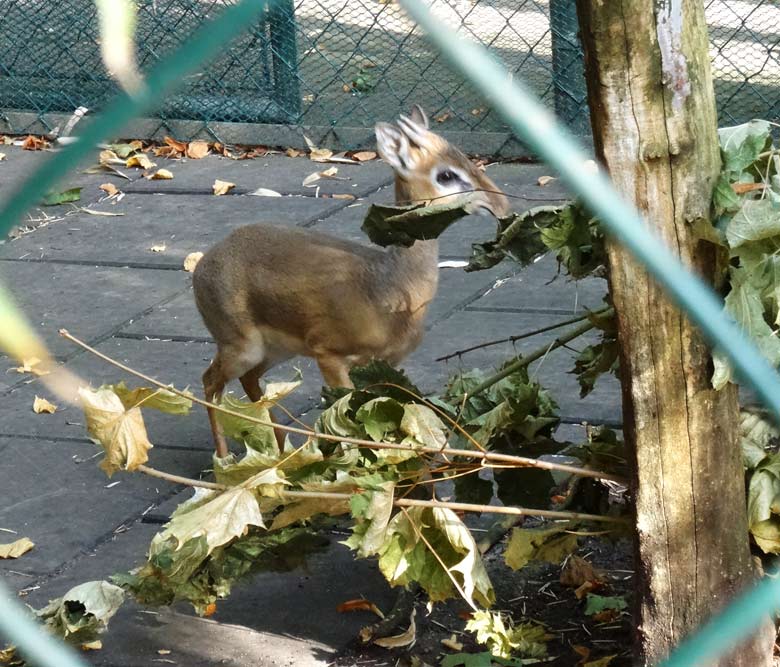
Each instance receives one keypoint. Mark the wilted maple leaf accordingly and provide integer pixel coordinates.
(293, 152)
(222, 187)
(41, 405)
(178, 146)
(406, 638)
(109, 157)
(191, 261)
(197, 150)
(160, 175)
(110, 189)
(545, 180)
(120, 432)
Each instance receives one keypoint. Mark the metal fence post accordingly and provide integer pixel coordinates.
(281, 22)
(569, 91)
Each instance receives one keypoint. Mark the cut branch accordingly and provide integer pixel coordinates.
(400, 502)
(527, 334)
(519, 461)
(526, 360)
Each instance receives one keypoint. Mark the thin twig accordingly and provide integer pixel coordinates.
(520, 461)
(400, 502)
(526, 360)
(528, 334)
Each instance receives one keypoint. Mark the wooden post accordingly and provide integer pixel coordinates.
(654, 124)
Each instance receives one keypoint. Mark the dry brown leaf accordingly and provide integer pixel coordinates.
(222, 187)
(163, 651)
(120, 432)
(320, 155)
(452, 643)
(41, 405)
(92, 646)
(545, 180)
(583, 652)
(160, 175)
(404, 639)
(6, 140)
(32, 143)
(136, 144)
(2, 157)
(16, 549)
(178, 146)
(311, 179)
(29, 366)
(211, 609)
(742, 188)
(606, 616)
(446, 115)
(478, 111)
(346, 88)
(293, 152)
(158, 248)
(140, 160)
(364, 156)
(191, 261)
(197, 149)
(166, 151)
(359, 605)
(577, 571)
(108, 157)
(346, 196)
(110, 189)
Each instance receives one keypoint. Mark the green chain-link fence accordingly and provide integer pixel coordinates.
(335, 67)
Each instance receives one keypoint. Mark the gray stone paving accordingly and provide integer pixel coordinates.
(98, 277)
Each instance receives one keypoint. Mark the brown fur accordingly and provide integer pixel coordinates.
(269, 293)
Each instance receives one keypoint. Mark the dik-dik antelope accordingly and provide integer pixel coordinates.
(270, 293)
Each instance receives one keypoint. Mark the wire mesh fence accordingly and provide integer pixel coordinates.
(335, 67)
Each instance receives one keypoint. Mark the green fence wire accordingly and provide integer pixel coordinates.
(335, 68)
(518, 108)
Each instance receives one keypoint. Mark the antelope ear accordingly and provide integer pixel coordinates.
(419, 117)
(393, 147)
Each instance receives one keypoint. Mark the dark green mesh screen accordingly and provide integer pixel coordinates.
(348, 63)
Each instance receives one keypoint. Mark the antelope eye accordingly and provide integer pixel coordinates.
(446, 177)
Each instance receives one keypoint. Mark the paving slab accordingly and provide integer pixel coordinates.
(275, 172)
(20, 164)
(183, 223)
(54, 493)
(539, 287)
(522, 181)
(180, 363)
(275, 604)
(465, 329)
(88, 300)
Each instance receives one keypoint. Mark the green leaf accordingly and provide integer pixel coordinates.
(403, 225)
(756, 220)
(517, 237)
(550, 544)
(377, 376)
(257, 436)
(503, 639)
(83, 612)
(64, 197)
(405, 557)
(217, 516)
(755, 435)
(724, 199)
(154, 398)
(379, 417)
(594, 361)
(745, 303)
(372, 511)
(599, 603)
(741, 145)
(422, 426)
(577, 240)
